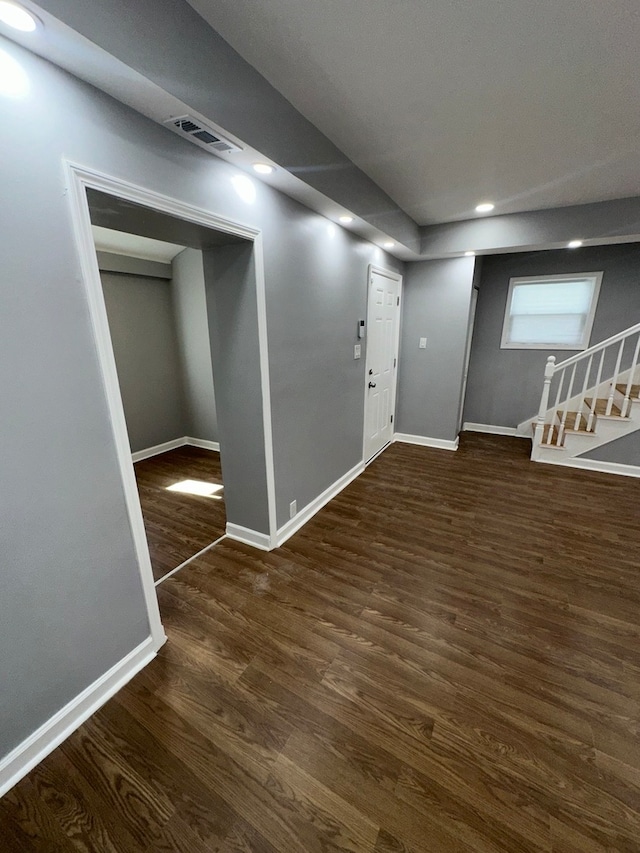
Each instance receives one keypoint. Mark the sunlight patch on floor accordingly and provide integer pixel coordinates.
(197, 487)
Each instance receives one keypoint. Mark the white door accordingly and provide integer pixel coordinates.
(383, 315)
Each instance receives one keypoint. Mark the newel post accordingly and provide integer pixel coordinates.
(549, 370)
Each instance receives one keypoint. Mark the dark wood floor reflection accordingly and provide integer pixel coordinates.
(179, 525)
(447, 658)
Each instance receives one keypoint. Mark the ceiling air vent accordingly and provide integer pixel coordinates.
(201, 134)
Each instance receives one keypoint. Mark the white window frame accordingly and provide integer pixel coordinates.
(553, 279)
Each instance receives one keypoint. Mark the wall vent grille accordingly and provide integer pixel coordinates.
(200, 134)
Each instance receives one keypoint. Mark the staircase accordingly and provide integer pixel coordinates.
(596, 398)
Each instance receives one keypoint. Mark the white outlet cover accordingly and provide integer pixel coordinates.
(422, 343)
(357, 351)
(293, 508)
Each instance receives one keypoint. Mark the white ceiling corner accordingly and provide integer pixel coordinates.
(134, 245)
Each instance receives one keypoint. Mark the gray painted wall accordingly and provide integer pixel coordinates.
(437, 299)
(625, 450)
(504, 386)
(143, 334)
(192, 325)
(233, 326)
(317, 291)
(71, 602)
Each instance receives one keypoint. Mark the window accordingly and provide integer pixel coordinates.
(551, 312)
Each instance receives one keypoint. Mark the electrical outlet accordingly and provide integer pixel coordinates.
(422, 344)
(293, 508)
(357, 351)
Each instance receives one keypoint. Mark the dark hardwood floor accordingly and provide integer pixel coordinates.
(179, 525)
(446, 658)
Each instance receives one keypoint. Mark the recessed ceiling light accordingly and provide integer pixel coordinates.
(574, 244)
(469, 254)
(346, 219)
(16, 17)
(263, 168)
(388, 245)
(485, 207)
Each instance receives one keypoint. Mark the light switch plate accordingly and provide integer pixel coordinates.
(357, 350)
(422, 344)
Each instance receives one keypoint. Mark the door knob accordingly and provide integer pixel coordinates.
(372, 385)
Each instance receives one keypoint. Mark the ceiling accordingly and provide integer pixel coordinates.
(134, 245)
(447, 103)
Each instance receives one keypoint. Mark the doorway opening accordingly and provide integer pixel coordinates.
(154, 291)
(231, 321)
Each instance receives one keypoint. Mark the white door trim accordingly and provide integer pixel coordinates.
(473, 307)
(79, 179)
(397, 277)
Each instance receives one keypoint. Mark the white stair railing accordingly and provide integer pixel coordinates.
(576, 411)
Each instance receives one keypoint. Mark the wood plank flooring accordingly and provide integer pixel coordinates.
(179, 525)
(446, 658)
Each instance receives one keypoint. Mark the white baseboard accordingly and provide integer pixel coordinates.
(425, 441)
(491, 429)
(294, 524)
(595, 465)
(249, 537)
(263, 541)
(139, 455)
(202, 443)
(58, 728)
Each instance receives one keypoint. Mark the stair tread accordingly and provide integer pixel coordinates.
(554, 436)
(600, 407)
(634, 391)
(571, 419)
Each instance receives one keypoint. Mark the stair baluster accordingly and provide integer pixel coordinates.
(597, 385)
(555, 408)
(544, 400)
(627, 394)
(585, 385)
(565, 412)
(614, 381)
